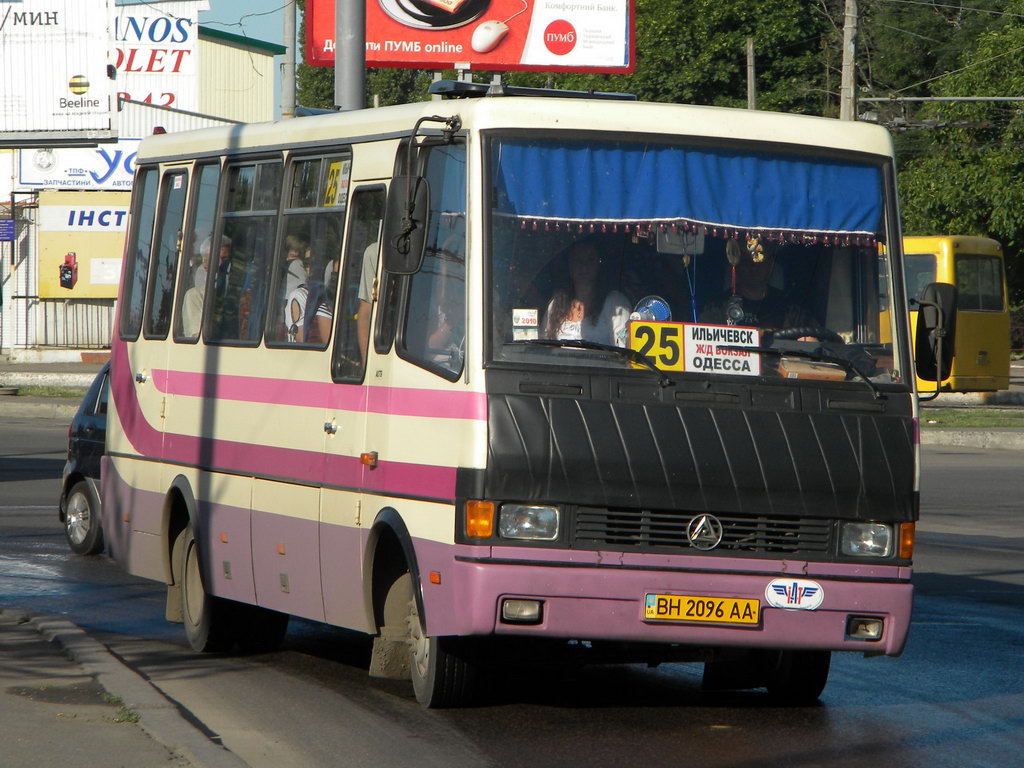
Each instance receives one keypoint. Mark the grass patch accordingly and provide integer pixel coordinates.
(34, 390)
(971, 418)
(124, 715)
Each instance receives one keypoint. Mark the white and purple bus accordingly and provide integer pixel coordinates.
(485, 375)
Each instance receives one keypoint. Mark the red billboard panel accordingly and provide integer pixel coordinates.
(495, 35)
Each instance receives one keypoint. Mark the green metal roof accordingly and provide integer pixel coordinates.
(272, 49)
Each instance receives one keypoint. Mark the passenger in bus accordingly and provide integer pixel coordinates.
(232, 310)
(192, 301)
(305, 327)
(296, 253)
(440, 297)
(589, 309)
(324, 315)
(753, 300)
(367, 293)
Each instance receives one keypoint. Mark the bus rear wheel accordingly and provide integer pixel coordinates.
(443, 670)
(207, 618)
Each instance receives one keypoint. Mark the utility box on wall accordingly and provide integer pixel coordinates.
(69, 271)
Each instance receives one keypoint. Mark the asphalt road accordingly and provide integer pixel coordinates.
(955, 698)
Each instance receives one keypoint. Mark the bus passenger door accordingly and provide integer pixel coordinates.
(342, 513)
(149, 355)
(139, 364)
(982, 359)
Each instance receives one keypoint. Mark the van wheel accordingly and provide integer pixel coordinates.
(208, 624)
(81, 520)
(797, 678)
(444, 671)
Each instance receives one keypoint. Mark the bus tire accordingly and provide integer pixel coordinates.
(797, 678)
(81, 521)
(208, 624)
(443, 670)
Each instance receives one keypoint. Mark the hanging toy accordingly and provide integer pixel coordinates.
(755, 249)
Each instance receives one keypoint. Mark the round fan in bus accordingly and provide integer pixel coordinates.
(653, 309)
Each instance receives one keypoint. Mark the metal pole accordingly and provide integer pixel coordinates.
(288, 65)
(751, 76)
(350, 54)
(847, 89)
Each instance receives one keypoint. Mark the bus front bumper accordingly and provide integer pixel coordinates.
(607, 602)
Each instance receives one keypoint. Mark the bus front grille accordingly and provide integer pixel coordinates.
(665, 530)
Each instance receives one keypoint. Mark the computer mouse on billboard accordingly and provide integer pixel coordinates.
(487, 36)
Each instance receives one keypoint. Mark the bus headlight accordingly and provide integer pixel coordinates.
(866, 540)
(528, 521)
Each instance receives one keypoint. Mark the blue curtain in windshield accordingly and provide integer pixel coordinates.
(618, 182)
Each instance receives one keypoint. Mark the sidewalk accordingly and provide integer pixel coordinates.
(68, 701)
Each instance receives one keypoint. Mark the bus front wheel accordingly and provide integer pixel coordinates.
(443, 670)
(207, 619)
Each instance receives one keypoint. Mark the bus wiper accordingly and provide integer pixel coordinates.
(817, 357)
(626, 352)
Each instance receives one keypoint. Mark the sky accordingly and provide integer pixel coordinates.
(260, 19)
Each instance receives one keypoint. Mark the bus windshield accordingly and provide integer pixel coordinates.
(688, 253)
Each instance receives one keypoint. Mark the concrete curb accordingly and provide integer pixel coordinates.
(18, 407)
(1003, 439)
(159, 716)
(80, 380)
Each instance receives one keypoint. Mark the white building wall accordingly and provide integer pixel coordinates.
(235, 81)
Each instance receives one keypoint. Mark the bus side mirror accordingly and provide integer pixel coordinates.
(405, 224)
(936, 331)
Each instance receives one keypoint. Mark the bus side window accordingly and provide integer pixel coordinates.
(242, 270)
(357, 290)
(143, 216)
(434, 329)
(301, 307)
(168, 245)
(192, 277)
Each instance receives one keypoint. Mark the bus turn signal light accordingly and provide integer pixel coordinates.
(479, 519)
(906, 540)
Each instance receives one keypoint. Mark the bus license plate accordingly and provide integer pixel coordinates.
(713, 610)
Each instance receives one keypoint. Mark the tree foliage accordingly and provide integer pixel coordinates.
(962, 174)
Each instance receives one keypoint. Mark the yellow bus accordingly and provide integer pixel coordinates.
(419, 440)
(975, 266)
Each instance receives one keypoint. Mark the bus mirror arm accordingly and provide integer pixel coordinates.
(935, 334)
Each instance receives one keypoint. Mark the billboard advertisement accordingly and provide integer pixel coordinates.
(156, 52)
(53, 69)
(81, 243)
(494, 35)
(107, 166)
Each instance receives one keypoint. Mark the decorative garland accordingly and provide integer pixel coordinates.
(803, 237)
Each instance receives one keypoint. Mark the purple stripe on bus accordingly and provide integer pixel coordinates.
(423, 480)
(144, 438)
(395, 401)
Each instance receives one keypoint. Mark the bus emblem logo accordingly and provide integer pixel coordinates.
(704, 532)
(794, 593)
